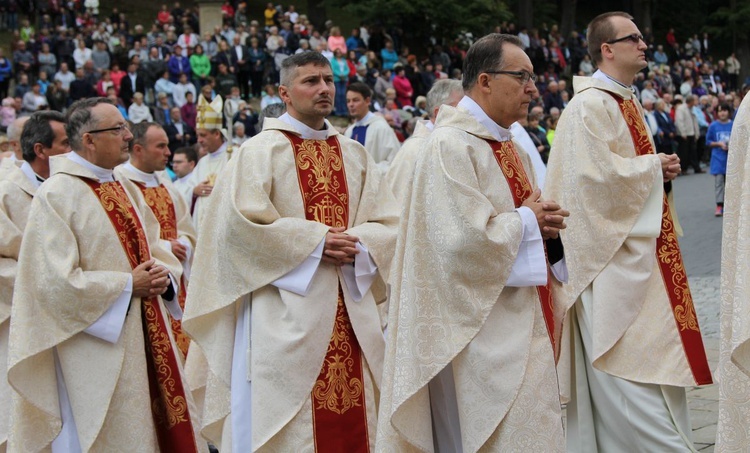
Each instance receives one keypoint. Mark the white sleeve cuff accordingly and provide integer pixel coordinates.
(298, 280)
(530, 266)
(173, 305)
(560, 271)
(359, 276)
(648, 224)
(109, 325)
(186, 265)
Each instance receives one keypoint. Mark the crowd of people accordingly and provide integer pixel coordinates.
(482, 236)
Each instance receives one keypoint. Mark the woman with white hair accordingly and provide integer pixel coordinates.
(238, 134)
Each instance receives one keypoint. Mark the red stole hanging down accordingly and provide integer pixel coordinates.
(169, 408)
(521, 189)
(338, 397)
(669, 258)
(161, 204)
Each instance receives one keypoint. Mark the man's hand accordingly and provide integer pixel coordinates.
(179, 250)
(339, 248)
(549, 215)
(670, 166)
(203, 189)
(150, 279)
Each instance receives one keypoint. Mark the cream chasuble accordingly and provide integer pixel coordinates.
(70, 243)
(454, 314)
(733, 432)
(401, 172)
(16, 193)
(620, 311)
(380, 140)
(256, 232)
(207, 169)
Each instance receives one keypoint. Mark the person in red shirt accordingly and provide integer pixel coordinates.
(404, 90)
(163, 15)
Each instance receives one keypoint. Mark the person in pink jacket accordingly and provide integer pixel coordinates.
(404, 90)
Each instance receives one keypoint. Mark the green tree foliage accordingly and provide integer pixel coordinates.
(420, 19)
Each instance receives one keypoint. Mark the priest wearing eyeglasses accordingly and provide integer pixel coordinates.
(91, 356)
(472, 330)
(633, 340)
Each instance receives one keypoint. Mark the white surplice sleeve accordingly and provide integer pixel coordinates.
(530, 266)
(298, 280)
(109, 325)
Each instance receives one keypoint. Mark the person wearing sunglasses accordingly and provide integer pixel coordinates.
(472, 332)
(636, 340)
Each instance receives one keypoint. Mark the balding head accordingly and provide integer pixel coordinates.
(14, 136)
(444, 91)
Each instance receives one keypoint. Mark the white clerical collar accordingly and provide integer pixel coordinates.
(218, 152)
(102, 174)
(304, 130)
(364, 119)
(150, 179)
(429, 125)
(31, 175)
(498, 132)
(599, 75)
(12, 157)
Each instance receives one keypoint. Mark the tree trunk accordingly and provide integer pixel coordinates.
(568, 21)
(642, 14)
(525, 14)
(316, 12)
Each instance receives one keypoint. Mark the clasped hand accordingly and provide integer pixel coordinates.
(670, 166)
(150, 279)
(340, 248)
(549, 215)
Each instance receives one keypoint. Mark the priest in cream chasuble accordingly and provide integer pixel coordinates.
(632, 342)
(287, 319)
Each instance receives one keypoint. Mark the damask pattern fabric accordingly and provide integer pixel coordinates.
(732, 433)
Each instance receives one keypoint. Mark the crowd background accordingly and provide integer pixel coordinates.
(64, 51)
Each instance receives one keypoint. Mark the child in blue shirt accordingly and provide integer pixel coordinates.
(717, 138)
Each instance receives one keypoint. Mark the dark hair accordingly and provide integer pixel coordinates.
(139, 132)
(80, 119)
(722, 107)
(289, 66)
(38, 129)
(486, 55)
(189, 153)
(361, 88)
(601, 30)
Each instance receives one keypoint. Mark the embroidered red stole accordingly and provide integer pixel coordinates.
(521, 189)
(169, 406)
(161, 204)
(338, 397)
(669, 258)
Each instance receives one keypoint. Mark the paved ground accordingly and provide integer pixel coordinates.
(701, 249)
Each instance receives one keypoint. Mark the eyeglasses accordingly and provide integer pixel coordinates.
(634, 38)
(120, 129)
(524, 76)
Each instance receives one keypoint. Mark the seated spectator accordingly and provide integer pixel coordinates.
(270, 97)
(139, 112)
(247, 117)
(7, 113)
(82, 54)
(34, 100)
(43, 82)
(162, 110)
(388, 55)
(164, 85)
(179, 133)
(100, 57)
(57, 98)
(336, 41)
(404, 90)
(180, 89)
(238, 134)
(105, 83)
(188, 111)
(225, 81)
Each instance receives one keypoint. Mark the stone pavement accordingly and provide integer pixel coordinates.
(701, 248)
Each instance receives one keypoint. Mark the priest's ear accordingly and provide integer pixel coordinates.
(39, 151)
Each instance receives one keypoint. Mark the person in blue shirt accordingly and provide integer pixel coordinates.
(717, 139)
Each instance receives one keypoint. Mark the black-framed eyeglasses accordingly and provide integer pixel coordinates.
(524, 76)
(120, 129)
(634, 38)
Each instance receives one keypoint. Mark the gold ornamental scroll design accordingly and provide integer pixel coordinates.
(668, 254)
(160, 202)
(668, 250)
(170, 407)
(514, 172)
(323, 181)
(336, 389)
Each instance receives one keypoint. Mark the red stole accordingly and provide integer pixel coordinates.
(521, 189)
(338, 397)
(169, 408)
(161, 204)
(669, 258)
